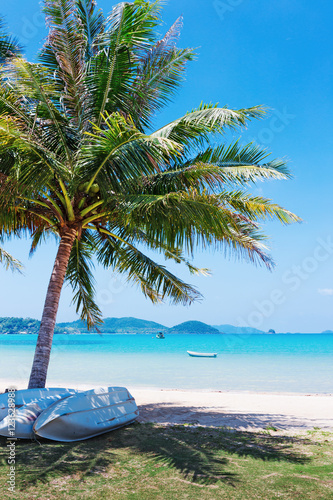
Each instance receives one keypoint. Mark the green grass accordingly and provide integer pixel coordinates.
(147, 462)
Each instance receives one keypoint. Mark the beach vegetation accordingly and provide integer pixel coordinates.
(82, 162)
(150, 461)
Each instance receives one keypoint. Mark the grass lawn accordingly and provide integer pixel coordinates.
(147, 461)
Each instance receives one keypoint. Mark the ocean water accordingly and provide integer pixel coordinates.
(265, 363)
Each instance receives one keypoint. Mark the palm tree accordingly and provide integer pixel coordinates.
(8, 45)
(81, 162)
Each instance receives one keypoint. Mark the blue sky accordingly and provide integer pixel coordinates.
(276, 53)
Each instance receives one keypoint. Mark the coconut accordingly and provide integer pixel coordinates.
(94, 189)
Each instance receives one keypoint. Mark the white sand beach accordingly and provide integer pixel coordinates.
(243, 411)
(238, 410)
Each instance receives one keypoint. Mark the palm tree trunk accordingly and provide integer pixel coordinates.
(46, 330)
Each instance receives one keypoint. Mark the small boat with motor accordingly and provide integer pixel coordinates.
(202, 354)
(160, 335)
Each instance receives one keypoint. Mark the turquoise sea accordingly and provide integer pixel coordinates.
(265, 363)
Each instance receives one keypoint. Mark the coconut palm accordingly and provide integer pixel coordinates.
(80, 161)
(8, 45)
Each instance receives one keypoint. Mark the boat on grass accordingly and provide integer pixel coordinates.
(87, 414)
(18, 399)
(202, 354)
(20, 424)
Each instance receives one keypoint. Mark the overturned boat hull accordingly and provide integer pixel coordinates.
(20, 423)
(87, 415)
(18, 399)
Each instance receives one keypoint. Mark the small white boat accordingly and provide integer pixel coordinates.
(17, 399)
(87, 414)
(21, 424)
(202, 354)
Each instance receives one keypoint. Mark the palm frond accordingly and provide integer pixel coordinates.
(118, 153)
(136, 236)
(9, 46)
(9, 261)
(36, 82)
(68, 42)
(130, 30)
(159, 75)
(199, 220)
(93, 23)
(256, 207)
(215, 168)
(155, 281)
(80, 277)
(194, 128)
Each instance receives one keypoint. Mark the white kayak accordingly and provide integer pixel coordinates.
(23, 397)
(202, 354)
(21, 425)
(87, 414)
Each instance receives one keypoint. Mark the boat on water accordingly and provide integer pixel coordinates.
(160, 335)
(202, 354)
(87, 414)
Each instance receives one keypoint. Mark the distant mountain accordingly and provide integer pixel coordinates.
(117, 325)
(11, 326)
(193, 327)
(237, 329)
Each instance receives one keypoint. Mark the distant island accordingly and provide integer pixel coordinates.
(28, 326)
(194, 327)
(10, 326)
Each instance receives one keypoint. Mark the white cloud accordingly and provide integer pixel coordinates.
(325, 291)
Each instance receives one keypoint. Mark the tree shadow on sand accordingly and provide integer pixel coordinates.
(202, 455)
(171, 413)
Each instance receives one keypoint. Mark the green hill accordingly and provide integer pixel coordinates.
(117, 325)
(193, 327)
(11, 326)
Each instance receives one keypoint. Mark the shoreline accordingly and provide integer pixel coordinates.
(20, 384)
(241, 410)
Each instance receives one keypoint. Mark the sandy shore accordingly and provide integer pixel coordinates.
(243, 411)
(239, 410)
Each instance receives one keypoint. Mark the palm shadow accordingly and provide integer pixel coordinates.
(166, 413)
(200, 454)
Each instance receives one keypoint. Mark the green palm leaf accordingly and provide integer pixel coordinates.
(9, 47)
(194, 129)
(155, 281)
(80, 277)
(9, 261)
